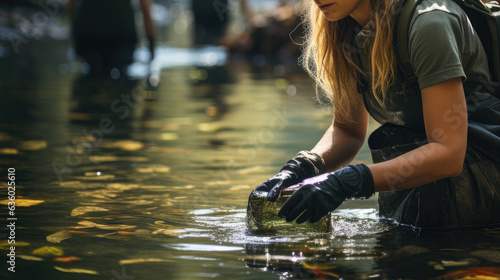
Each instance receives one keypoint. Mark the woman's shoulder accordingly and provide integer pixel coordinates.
(438, 9)
(440, 16)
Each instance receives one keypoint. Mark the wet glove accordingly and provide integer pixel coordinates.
(322, 194)
(304, 165)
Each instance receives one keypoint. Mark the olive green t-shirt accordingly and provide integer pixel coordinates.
(444, 45)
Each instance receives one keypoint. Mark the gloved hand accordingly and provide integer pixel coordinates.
(322, 194)
(304, 165)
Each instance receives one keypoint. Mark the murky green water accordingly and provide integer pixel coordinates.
(157, 188)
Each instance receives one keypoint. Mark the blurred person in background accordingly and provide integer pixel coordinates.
(274, 34)
(211, 18)
(104, 33)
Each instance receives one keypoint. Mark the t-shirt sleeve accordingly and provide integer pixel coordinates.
(435, 47)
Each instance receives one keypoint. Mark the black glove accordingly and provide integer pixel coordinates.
(322, 194)
(304, 165)
(151, 41)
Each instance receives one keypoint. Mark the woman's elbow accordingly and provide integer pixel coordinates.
(455, 163)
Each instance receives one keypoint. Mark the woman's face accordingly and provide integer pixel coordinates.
(335, 10)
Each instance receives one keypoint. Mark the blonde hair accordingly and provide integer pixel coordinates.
(328, 55)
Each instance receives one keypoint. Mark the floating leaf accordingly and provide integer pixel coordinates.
(33, 145)
(463, 262)
(8, 151)
(106, 235)
(126, 232)
(29, 258)
(169, 136)
(67, 259)
(122, 187)
(86, 209)
(76, 270)
(89, 224)
(126, 145)
(133, 261)
(5, 244)
(209, 127)
(99, 159)
(71, 184)
(59, 236)
(99, 193)
(48, 251)
(22, 202)
(95, 177)
(86, 224)
(153, 169)
(438, 267)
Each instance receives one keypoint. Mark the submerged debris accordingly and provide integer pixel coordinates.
(262, 215)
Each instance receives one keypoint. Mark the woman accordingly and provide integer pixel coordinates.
(436, 154)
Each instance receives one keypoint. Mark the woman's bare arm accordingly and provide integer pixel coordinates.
(445, 117)
(343, 140)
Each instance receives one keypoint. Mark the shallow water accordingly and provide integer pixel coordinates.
(157, 189)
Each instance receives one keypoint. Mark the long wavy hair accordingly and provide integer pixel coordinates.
(328, 54)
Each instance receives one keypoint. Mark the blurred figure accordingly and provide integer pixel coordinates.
(104, 33)
(211, 19)
(275, 35)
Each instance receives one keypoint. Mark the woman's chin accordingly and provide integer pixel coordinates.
(331, 17)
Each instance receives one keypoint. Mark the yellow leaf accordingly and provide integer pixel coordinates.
(169, 136)
(113, 158)
(59, 236)
(95, 178)
(126, 145)
(76, 270)
(48, 251)
(23, 202)
(8, 151)
(89, 224)
(5, 244)
(86, 224)
(85, 209)
(33, 145)
(30, 258)
(132, 261)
